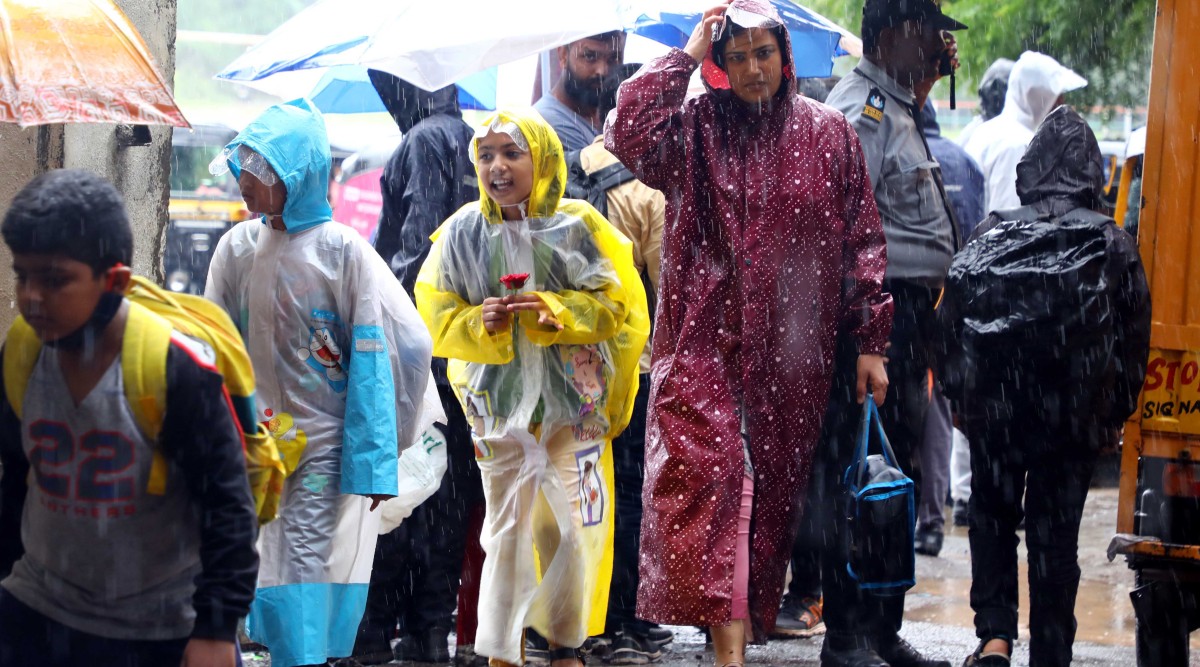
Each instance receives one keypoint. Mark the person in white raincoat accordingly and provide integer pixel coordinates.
(546, 367)
(342, 364)
(1035, 88)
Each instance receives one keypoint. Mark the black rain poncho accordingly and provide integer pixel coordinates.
(1047, 306)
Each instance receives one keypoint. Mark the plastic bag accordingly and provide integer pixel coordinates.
(421, 468)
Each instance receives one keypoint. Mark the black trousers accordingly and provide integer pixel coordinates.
(1051, 470)
(629, 453)
(29, 638)
(415, 575)
(852, 615)
(806, 550)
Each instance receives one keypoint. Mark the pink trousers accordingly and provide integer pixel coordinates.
(741, 558)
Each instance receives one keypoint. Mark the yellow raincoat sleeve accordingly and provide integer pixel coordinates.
(455, 325)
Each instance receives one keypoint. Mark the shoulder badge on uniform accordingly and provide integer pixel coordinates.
(874, 106)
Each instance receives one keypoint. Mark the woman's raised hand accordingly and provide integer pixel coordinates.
(701, 39)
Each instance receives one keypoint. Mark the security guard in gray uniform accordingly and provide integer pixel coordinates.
(907, 47)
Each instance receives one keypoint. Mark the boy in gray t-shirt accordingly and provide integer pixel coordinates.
(107, 569)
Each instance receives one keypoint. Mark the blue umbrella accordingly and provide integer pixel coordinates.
(816, 40)
(347, 89)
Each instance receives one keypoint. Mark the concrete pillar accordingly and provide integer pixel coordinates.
(141, 173)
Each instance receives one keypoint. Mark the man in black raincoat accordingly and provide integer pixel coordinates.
(1037, 410)
(416, 574)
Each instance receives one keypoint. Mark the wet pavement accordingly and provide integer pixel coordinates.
(938, 620)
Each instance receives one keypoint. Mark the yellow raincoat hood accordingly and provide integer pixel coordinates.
(549, 165)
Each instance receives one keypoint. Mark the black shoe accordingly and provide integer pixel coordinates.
(852, 657)
(929, 541)
(962, 513)
(537, 649)
(374, 655)
(899, 653)
(430, 646)
(659, 635)
(465, 656)
(634, 649)
(408, 649)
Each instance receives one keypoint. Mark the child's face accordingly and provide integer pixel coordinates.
(57, 295)
(260, 198)
(506, 172)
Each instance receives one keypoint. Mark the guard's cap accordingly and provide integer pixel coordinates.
(888, 13)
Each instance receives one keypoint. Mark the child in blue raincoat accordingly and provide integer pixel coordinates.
(341, 360)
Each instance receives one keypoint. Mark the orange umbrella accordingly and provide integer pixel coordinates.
(77, 61)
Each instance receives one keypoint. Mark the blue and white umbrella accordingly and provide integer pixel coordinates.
(429, 44)
(434, 44)
(348, 89)
(816, 41)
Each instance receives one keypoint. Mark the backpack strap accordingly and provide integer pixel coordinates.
(144, 367)
(611, 176)
(21, 351)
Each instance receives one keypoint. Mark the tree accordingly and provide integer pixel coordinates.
(1107, 41)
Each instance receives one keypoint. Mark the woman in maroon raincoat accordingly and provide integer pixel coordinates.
(772, 246)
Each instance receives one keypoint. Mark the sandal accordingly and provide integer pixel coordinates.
(991, 658)
(567, 654)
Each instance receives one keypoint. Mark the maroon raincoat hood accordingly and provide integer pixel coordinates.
(716, 80)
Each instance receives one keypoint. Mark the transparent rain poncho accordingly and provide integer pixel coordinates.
(342, 363)
(239, 158)
(543, 403)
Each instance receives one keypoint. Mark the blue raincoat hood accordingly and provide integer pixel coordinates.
(291, 136)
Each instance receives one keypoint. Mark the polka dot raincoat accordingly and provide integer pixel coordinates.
(772, 244)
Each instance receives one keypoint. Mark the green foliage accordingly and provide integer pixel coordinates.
(1107, 41)
(197, 62)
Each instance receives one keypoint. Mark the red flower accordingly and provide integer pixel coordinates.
(514, 281)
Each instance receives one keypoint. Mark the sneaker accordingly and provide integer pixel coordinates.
(634, 649)
(802, 617)
(659, 635)
(929, 541)
(962, 513)
(599, 647)
(537, 649)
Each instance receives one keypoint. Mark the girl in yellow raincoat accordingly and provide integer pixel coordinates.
(545, 363)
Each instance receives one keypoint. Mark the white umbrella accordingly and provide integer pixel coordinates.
(430, 44)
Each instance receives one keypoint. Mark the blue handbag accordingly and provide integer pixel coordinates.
(882, 513)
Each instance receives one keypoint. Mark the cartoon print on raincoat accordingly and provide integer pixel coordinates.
(772, 244)
(528, 383)
(324, 356)
(348, 420)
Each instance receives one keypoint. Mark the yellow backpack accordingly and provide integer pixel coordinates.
(154, 314)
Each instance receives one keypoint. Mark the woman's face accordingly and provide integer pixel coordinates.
(506, 172)
(754, 65)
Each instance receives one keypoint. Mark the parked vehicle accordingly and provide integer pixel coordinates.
(202, 208)
(358, 197)
(1158, 520)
